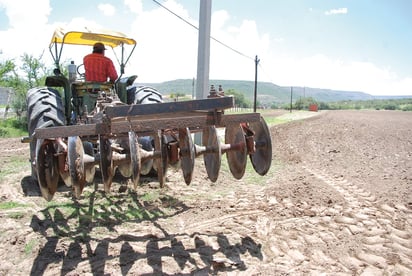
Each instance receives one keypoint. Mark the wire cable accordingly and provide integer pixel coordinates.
(264, 72)
(197, 28)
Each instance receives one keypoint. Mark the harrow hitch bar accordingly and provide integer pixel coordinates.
(146, 119)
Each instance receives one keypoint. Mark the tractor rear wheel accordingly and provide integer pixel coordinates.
(144, 95)
(44, 109)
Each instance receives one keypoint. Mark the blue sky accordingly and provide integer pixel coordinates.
(358, 45)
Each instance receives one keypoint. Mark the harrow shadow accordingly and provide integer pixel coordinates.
(73, 223)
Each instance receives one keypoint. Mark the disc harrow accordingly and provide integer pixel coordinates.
(109, 139)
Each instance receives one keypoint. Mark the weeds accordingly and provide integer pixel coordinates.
(28, 248)
(11, 205)
(13, 127)
(13, 166)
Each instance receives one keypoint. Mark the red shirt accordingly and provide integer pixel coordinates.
(99, 68)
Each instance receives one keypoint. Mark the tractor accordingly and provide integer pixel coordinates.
(76, 126)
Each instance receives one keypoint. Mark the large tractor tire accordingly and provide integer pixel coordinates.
(144, 95)
(44, 109)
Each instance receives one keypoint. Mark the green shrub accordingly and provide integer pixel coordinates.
(13, 127)
(406, 107)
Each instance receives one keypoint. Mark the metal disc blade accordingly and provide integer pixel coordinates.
(213, 155)
(47, 168)
(187, 154)
(146, 167)
(134, 158)
(125, 169)
(161, 159)
(237, 157)
(89, 168)
(106, 162)
(65, 175)
(262, 158)
(123, 164)
(90, 172)
(75, 160)
(145, 143)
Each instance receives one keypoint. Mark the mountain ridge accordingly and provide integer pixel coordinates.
(268, 92)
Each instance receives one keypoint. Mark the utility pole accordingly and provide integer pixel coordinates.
(255, 94)
(291, 97)
(203, 54)
(193, 88)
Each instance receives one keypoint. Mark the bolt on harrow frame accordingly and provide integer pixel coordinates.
(66, 150)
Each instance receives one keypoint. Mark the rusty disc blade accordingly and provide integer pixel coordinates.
(47, 168)
(134, 158)
(123, 164)
(237, 155)
(89, 168)
(187, 154)
(75, 152)
(161, 158)
(213, 155)
(106, 162)
(262, 157)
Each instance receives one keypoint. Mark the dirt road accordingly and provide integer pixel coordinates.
(337, 201)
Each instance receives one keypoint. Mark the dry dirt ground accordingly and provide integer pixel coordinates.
(336, 201)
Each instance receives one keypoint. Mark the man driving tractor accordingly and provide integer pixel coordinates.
(98, 67)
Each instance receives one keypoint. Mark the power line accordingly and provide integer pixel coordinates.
(197, 28)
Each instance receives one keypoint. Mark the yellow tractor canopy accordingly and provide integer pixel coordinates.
(90, 37)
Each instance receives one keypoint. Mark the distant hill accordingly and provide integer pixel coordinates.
(268, 93)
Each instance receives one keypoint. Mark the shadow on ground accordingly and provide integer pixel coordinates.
(69, 228)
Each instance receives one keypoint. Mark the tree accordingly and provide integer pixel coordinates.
(303, 103)
(6, 71)
(6, 68)
(34, 70)
(240, 99)
(32, 73)
(177, 95)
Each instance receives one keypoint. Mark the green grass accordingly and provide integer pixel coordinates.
(64, 207)
(11, 205)
(275, 120)
(12, 127)
(16, 215)
(18, 164)
(97, 209)
(151, 196)
(28, 248)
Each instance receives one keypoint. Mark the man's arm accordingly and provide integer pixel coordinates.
(112, 72)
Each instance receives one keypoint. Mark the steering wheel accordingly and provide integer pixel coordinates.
(81, 71)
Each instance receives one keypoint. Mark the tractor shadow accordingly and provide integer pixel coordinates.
(83, 232)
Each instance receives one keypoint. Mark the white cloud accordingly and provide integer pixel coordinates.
(320, 71)
(235, 59)
(34, 13)
(107, 9)
(26, 27)
(166, 46)
(337, 11)
(135, 6)
(167, 49)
